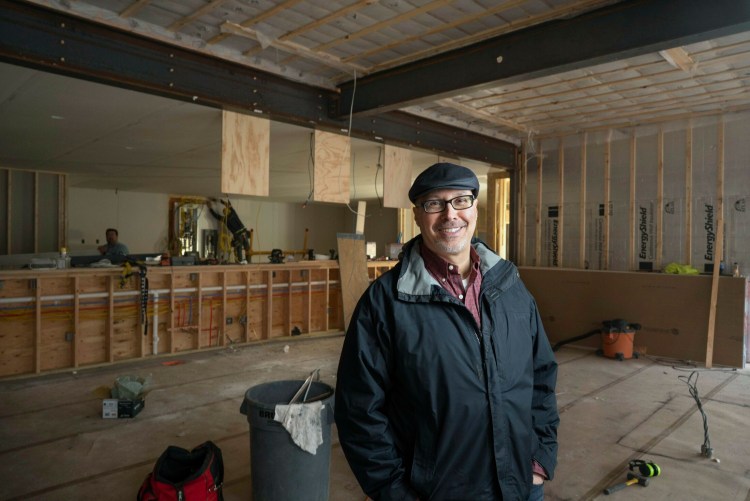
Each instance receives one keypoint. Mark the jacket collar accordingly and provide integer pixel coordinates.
(415, 280)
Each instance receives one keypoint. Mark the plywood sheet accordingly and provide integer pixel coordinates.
(353, 269)
(331, 171)
(245, 154)
(396, 177)
(672, 309)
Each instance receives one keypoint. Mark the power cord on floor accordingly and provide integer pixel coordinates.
(692, 382)
(685, 365)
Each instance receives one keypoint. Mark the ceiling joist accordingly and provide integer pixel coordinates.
(209, 7)
(259, 18)
(292, 48)
(471, 111)
(133, 9)
(316, 24)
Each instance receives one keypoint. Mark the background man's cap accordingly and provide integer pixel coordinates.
(444, 176)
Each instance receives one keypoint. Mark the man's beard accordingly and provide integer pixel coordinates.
(452, 248)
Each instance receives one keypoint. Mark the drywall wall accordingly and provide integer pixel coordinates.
(142, 221)
(30, 211)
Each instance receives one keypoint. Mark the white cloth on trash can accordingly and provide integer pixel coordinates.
(303, 423)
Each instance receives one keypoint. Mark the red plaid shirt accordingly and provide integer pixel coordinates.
(449, 277)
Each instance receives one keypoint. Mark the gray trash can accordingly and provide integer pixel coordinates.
(281, 470)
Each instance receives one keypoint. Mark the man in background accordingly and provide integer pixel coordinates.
(113, 247)
(232, 220)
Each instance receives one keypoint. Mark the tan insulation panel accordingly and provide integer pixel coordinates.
(245, 154)
(673, 310)
(331, 171)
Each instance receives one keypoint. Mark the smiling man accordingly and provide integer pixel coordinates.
(446, 381)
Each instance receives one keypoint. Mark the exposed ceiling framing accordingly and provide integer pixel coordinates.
(464, 78)
(81, 48)
(616, 32)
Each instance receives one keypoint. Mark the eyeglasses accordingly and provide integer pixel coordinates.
(459, 203)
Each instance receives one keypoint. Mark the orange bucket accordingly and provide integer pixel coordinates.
(618, 344)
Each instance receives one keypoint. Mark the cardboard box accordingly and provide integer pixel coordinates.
(109, 408)
(119, 408)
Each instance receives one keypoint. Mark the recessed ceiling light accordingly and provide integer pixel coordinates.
(57, 117)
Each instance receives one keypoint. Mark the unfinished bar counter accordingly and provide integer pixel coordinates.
(69, 318)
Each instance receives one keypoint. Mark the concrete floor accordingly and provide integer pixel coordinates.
(54, 444)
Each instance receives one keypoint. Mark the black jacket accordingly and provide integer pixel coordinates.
(232, 220)
(428, 405)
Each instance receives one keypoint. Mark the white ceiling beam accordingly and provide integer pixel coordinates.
(277, 9)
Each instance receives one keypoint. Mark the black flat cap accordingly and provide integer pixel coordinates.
(444, 175)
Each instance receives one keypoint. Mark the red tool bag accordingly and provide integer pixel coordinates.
(184, 475)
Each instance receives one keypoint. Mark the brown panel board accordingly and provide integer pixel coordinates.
(279, 316)
(256, 318)
(397, 164)
(331, 167)
(17, 354)
(353, 269)
(245, 154)
(712, 311)
(672, 309)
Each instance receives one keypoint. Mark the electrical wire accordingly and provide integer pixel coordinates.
(349, 135)
(311, 159)
(378, 167)
(684, 365)
(310, 166)
(706, 449)
(351, 105)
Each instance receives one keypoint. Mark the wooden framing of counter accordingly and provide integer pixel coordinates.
(65, 319)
